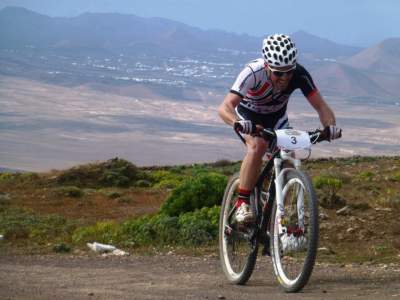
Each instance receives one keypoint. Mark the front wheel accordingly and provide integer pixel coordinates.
(237, 247)
(294, 234)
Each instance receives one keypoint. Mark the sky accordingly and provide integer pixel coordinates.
(352, 22)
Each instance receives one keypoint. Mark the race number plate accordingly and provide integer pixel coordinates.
(290, 139)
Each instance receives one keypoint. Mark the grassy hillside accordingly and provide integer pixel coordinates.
(178, 206)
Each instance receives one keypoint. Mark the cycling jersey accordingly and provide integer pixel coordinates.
(255, 87)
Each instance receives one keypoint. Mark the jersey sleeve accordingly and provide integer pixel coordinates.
(307, 85)
(244, 82)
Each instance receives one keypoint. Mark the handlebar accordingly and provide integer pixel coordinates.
(316, 136)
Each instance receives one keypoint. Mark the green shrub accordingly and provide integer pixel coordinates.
(333, 185)
(5, 199)
(50, 226)
(205, 190)
(138, 232)
(329, 187)
(6, 176)
(165, 179)
(28, 176)
(389, 201)
(192, 228)
(157, 230)
(198, 170)
(103, 232)
(366, 175)
(199, 227)
(178, 170)
(395, 177)
(143, 183)
(113, 194)
(69, 191)
(221, 163)
(61, 248)
(225, 167)
(114, 178)
(114, 172)
(19, 224)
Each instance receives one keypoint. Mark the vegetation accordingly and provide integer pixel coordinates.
(205, 190)
(114, 172)
(329, 187)
(117, 203)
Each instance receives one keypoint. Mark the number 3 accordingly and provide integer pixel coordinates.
(293, 138)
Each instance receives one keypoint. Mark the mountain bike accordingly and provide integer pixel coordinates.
(286, 215)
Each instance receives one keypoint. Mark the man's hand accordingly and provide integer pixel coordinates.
(333, 132)
(245, 126)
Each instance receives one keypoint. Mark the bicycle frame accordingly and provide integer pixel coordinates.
(275, 189)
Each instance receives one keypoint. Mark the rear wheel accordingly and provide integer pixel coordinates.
(237, 248)
(294, 245)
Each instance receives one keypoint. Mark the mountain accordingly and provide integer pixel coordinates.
(113, 32)
(200, 58)
(383, 57)
(343, 80)
(116, 33)
(322, 48)
(8, 170)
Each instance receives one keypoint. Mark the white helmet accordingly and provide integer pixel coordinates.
(279, 51)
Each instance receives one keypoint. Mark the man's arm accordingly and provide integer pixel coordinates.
(227, 109)
(326, 115)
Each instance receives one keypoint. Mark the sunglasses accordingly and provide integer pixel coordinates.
(279, 73)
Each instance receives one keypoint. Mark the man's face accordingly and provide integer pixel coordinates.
(280, 77)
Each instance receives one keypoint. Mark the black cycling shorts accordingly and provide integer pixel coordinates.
(270, 121)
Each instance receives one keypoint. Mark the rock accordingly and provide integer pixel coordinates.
(119, 252)
(344, 211)
(1, 237)
(221, 297)
(5, 197)
(98, 247)
(326, 250)
(383, 209)
(324, 226)
(323, 216)
(350, 230)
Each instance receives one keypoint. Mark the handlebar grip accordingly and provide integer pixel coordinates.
(268, 134)
(319, 136)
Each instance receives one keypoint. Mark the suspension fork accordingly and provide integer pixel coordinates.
(279, 181)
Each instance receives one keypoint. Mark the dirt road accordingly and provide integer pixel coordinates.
(179, 277)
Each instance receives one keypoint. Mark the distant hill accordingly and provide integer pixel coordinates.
(343, 80)
(93, 32)
(113, 32)
(8, 170)
(383, 57)
(339, 69)
(322, 48)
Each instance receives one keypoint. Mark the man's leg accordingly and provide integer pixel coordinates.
(251, 165)
(249, 172)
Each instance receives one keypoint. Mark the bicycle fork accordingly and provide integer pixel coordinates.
(279, 182)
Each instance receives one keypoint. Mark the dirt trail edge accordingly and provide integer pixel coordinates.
(179, 277)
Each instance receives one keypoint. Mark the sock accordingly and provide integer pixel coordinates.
(244, 197)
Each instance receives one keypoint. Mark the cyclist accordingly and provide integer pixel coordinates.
(258, 99)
